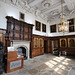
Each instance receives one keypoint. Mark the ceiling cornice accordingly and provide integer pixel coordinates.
(24, 5)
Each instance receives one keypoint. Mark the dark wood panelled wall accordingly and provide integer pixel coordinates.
(38, 47)
(65, 43)
(18, 30)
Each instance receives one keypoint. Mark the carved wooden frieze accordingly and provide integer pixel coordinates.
(18, 30)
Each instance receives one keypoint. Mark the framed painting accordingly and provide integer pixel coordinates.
(71, 22)
(63, 42)
(43, 27)
(71, 25)
(21, 16)
(37, 25)
(71, 42)
(53, 28)
(71, 28)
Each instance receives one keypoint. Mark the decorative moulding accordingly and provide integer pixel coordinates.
(24, 5)
(55, 12)
(46, 3)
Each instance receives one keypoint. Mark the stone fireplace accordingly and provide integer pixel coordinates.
(22, 47)
(22, 51)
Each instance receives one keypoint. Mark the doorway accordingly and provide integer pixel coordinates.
(45, 46)
(55, 47)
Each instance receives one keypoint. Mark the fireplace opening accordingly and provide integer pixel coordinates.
(22, 51)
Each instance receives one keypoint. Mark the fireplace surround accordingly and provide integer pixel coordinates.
(24, 45)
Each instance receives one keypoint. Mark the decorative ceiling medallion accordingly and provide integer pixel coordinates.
(46, 3)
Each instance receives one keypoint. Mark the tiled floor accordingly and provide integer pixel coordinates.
(47, 64)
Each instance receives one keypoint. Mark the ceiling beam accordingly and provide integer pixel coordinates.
(54, 7)
(35, 2)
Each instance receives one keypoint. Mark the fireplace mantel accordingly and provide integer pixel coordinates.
(20, 43)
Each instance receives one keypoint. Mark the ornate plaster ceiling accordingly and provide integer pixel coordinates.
(46, 9)
(52, 8)
(46, 3)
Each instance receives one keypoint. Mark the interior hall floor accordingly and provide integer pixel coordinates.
(47, 64)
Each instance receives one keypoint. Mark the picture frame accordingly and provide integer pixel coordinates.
(21, 16)
(37, 25)
(43, 27)
(63, 43)
(71, 22)
(53, 28)
(71, 28)
(71, 42)
(72, 25)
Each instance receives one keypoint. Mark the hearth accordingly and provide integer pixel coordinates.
(22, 51)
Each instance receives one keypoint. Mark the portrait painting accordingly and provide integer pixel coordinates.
(21, 16)
(37, 25)
(53, 28)
(43, 27)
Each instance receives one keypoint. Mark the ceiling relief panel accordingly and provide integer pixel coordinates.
(52, 8)
(47, 3)
(45, 9)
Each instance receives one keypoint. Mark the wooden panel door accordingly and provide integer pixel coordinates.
(41, 46)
